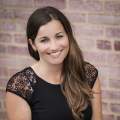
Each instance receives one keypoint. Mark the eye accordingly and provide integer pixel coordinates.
(44, 40)
(59, 36)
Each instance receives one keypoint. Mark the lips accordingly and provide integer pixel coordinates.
(55, 54)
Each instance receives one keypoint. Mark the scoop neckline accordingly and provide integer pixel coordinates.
(43, 80)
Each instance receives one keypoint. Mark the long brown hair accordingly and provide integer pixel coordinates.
(74, 86)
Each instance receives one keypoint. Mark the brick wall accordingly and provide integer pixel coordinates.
(96, 25)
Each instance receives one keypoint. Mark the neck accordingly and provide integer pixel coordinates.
(49, 70)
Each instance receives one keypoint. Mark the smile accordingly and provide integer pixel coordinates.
(55, 54)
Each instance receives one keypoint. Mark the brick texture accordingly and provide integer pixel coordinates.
(112, 6)
(61, 4)
(108, 117)
(86, 6)
(104, 44)
(118, 117)
(96, 26)
(117, 45)
(113, 32)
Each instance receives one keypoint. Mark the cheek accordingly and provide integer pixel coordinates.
(42, 48)
(65, 43)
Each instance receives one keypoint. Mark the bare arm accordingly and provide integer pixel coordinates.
(96, 101)
(17, 108)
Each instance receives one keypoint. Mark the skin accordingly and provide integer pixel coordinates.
(52, 46)
(17, 108)
(96, 101)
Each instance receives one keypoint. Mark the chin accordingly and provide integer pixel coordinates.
(56, 62)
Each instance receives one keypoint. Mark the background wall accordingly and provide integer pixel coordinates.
(96, 25)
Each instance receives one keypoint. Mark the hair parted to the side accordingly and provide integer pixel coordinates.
(74, 86)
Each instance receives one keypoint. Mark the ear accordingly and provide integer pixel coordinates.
(32, 44)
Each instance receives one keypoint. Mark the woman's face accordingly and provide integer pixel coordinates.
(52, 43)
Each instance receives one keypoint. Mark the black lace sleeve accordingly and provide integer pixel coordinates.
(91, 74)
(20, 85)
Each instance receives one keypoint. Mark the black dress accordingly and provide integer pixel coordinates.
(45, 99)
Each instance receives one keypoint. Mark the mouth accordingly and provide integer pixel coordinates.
(55, 54)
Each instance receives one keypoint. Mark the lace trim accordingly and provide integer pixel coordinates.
(91, 74)
(21, 82)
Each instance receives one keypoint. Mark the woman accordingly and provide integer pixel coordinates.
(60, 85)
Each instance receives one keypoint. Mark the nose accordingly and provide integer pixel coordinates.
(53, 45)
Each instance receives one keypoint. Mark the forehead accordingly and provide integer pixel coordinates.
(53, 26)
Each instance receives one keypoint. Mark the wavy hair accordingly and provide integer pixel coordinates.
(74, 86)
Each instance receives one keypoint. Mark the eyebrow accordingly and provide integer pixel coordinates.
(59, 32)
(44, 37)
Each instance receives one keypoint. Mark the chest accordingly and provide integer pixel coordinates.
(48, 103)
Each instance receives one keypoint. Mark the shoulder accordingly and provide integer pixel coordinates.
(21, 83)
(91, 73)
